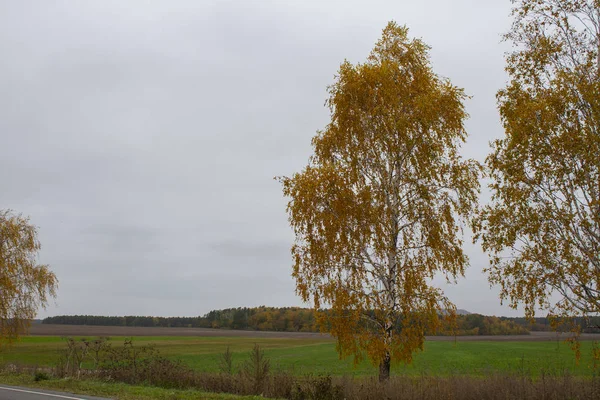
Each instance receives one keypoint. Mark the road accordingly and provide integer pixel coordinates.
(22, 393)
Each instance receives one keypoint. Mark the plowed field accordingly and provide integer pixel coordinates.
(85, 330)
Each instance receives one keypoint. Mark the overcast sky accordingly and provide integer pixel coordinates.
(142, 138)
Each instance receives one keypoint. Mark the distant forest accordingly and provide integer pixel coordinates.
(295, 319)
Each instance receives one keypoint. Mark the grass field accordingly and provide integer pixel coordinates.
(318, 355)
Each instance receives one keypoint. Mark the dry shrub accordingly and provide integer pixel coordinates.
(78, 352)
(127, 363)
(493, 387)
(279, 385)
(320, 387)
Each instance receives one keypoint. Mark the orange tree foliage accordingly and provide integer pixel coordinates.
(542, 228)
(377, 211)
(24, 285)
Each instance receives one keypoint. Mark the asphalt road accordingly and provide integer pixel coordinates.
(22, 393)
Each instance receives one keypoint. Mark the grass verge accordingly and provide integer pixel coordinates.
(493, 387)
(119, 391)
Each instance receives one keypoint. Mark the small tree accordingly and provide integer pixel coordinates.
(256, 369)
(542, 228)
(226, 362)
(375, 211)
(24, 284)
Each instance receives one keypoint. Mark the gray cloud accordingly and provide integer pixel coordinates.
(142, 137)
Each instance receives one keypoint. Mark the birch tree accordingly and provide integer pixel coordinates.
(379, 209)
(542, 229)
(24, 284)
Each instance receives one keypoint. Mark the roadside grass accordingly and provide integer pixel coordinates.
(318, 356)
(111, 390)
(492, 387)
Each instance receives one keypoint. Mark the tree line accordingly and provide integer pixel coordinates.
(297, 319)
(290, 319)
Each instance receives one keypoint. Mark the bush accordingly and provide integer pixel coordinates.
(127, 363)
(321, 388)
(40, 376)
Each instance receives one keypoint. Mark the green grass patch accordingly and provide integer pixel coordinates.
(119, 391)
(318, 356)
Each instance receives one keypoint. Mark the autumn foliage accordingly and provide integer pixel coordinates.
(542, 229)
(24, 284)
(295, 319)
(377, 210)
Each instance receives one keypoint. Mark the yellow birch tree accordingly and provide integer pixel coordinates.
(542, 228)
(379, 209)
(24, 284)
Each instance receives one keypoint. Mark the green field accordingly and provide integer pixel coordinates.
(303, 356)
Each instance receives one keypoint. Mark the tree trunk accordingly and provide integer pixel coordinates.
(384, 368)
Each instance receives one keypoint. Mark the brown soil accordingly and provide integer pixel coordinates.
(89, 330)
(532, 337)
(85, 330)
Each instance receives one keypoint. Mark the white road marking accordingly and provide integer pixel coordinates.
(41, 393)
